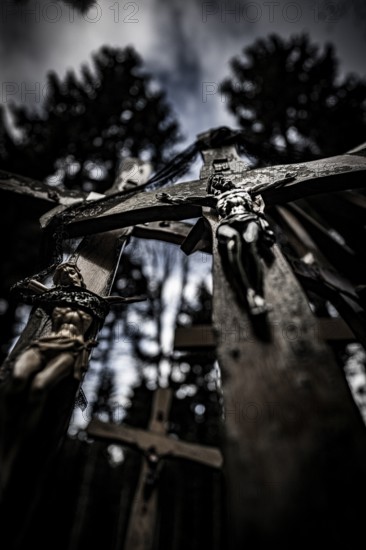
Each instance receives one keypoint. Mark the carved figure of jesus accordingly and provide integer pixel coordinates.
(64, 351)
(244, 238)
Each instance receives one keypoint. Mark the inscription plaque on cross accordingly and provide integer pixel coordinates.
(156, 446)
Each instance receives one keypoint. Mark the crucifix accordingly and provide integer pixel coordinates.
(156, 446)
(73, 309)
(290, 419)
(293, 433)
(244, 240)
(53, 352)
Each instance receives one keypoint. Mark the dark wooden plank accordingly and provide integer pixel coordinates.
(337, 173)
(164, 446)
(97, 258)
(33, 189)
(137, 209)
(297, 236)
(196, 336)
(333, 174)
(318, 276)
(338, 291)
(347, 219)
(293, 433)
(359, 150)
(338, 253)
(203, 336)
(354, 198)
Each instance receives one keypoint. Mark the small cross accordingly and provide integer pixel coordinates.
(156, 445)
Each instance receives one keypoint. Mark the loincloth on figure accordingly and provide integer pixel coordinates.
(51, 346)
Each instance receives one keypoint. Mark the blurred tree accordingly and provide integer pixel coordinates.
(89, 122)
(288, 98)
(86, 124)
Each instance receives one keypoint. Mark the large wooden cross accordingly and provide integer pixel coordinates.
(155, 446)
(295, 446)
(295, 443)
(30, 433)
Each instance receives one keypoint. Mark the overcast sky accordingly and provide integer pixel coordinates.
(186, 45)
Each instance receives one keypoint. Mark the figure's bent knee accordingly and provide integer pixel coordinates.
(57, 369)
(26, 364)
(19, 374)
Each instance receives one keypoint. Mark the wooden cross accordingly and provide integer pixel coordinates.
(290, 420)
(31, 435)
(295, 442)
(156, 446)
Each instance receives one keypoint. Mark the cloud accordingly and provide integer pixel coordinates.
(186, 45)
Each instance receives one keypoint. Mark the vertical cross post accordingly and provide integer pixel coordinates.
(295, 443)
(156, 445)
(31, 433)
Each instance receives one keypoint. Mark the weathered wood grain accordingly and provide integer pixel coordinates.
(333, 174)
(38, 190)
(295, 442)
